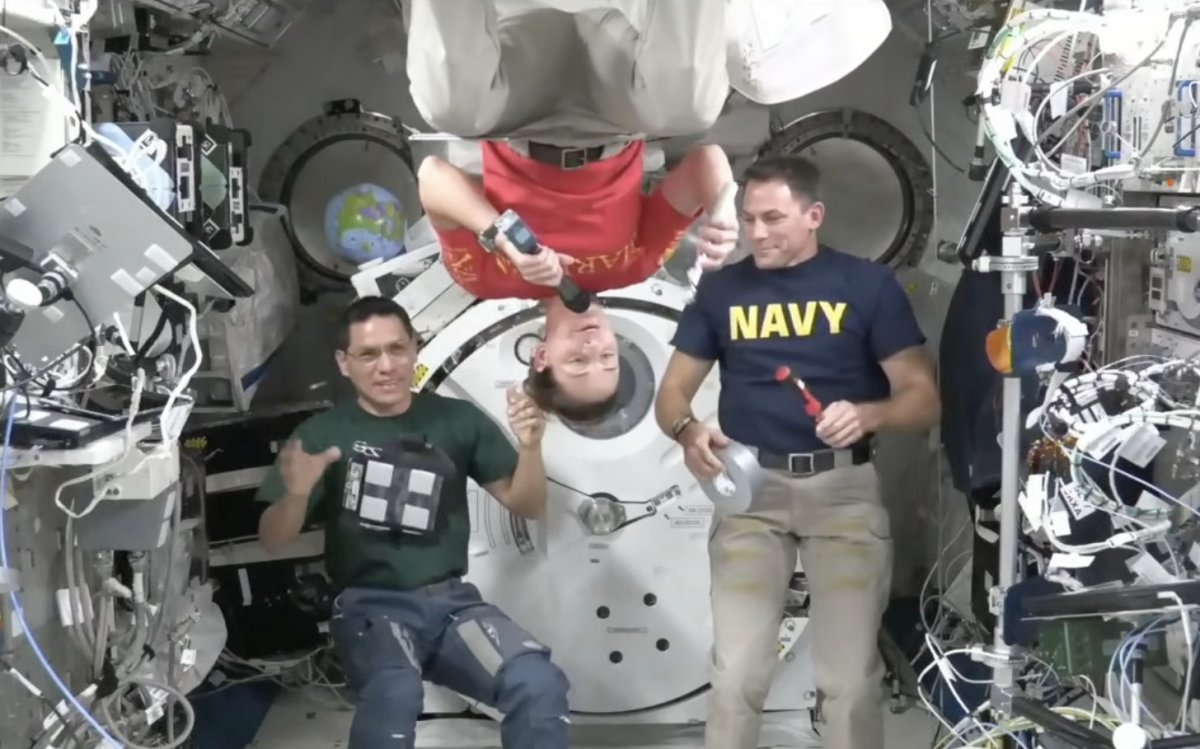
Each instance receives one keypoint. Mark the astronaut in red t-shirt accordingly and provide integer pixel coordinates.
(562, 94)
(594, 223)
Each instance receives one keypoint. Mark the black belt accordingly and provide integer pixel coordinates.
(565, 158)
(819, 461)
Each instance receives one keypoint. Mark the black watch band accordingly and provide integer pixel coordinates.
(487, 238)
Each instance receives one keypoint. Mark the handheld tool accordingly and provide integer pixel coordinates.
(522, 237)
(812, 406)
(576, 299)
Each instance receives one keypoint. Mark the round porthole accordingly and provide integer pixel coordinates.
(342, 148)
(875, 183)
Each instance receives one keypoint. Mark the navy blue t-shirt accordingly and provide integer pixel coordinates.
(831, 319)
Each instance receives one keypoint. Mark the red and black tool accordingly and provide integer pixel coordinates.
(812, 406)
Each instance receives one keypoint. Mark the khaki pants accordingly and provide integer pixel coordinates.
(575, 74)
(839, 526)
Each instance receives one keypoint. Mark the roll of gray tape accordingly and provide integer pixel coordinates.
(735, 488)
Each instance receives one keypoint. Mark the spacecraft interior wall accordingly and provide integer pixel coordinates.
(34, 125)
(626, 612)
(1174, 278)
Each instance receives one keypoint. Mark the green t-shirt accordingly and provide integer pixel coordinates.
(364, 556)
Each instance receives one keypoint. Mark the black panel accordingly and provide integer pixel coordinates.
(284, 609)
(270, 608)
(250, 442)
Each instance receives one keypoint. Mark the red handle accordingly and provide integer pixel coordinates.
(812, 406)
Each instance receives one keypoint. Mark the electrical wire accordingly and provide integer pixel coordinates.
(152, 686)
(1100, 439)
(1191, 662)
(15, 598)
(106, 470)
(30, 379)
(171, 430)
(298, 674)
(170, 422)
(75, 115)
(1069, 423)
(63, 718)
(1003, 100)
(1135, 378)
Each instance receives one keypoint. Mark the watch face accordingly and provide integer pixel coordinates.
(517, 231)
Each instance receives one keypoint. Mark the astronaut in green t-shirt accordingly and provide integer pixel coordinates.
(387, 474)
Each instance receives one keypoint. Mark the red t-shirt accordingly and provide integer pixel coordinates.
(596, 214)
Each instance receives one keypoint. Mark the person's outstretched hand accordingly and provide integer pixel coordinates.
(302, 470)
(718, 239)
(525, 419)
(542, 269)
(700, 443)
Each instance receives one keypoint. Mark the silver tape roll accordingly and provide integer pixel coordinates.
(735, 488)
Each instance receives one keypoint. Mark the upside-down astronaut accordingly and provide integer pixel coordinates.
(563, 93)
(563, 157)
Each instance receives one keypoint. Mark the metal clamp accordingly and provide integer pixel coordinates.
(601, 516)
(1005, 264)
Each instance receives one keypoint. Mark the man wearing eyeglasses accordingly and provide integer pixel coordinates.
(387, 473)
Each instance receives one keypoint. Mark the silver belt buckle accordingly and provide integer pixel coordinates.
(800, 464)
(568, 163)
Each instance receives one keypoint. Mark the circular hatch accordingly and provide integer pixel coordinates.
(875, 183)
(626, 614)
(343, 147)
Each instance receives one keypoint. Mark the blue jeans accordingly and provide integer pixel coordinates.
(392, 641)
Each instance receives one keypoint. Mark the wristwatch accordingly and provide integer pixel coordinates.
(679, 425)
(487, 237)
(514, 229)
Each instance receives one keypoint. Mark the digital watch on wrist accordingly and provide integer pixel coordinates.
(514, 229)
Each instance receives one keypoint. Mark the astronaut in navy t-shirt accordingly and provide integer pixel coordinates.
(845, 327)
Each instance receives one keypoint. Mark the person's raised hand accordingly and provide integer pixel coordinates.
(543, 269)
(525, 418)
(718, 238)
(700, 444)
(302, 470)
(841, 425)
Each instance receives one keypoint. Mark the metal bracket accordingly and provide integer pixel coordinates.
(996, 601)
(790, 630)
(1005, 264)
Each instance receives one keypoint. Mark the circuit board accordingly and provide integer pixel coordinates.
(1085, 646)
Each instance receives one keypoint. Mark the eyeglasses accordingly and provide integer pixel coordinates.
(371, 356)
